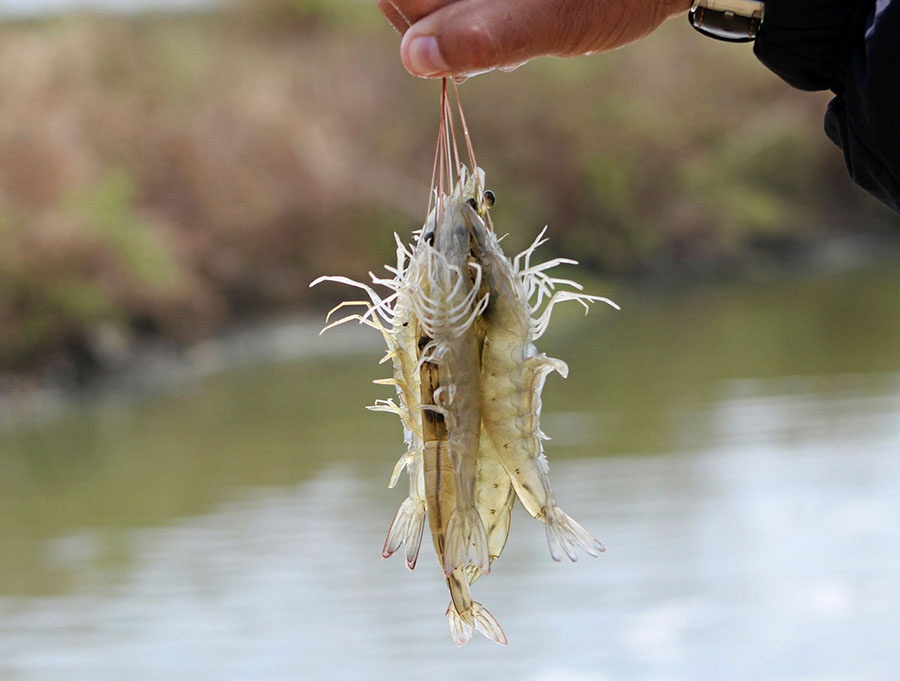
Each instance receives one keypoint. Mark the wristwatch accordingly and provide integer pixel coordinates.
(735, 21)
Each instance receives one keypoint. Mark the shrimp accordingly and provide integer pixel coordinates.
(392, 317)
(447, 304)
(514, 373)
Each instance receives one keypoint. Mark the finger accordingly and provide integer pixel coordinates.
(393, 15)
(472, 36)
(413, 10)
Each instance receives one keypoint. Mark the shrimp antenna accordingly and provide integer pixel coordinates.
(446, 170)
(437, 169)
(452, 147)
(446, 165)
(465, 128)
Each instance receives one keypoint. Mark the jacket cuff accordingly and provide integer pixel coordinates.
(808, 43)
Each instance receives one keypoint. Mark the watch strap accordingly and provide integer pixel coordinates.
(734, 21)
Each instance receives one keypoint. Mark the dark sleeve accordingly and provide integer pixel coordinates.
(851, 47)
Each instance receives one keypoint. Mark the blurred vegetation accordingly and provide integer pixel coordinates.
(102, 468)
(163, 176)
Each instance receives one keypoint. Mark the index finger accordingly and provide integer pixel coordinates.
(404, 13)
(393, 15)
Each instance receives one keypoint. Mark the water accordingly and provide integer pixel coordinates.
(735, 448)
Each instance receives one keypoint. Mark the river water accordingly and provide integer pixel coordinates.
(735, 447)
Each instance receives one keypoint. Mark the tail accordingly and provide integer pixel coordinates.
(477, 619)
(565, 535)
(465, 542)
(406, 528)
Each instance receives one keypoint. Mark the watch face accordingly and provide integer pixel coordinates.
(730, 22)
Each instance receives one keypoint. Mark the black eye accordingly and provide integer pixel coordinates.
(429, 238)
(489, 198)
(472, 204)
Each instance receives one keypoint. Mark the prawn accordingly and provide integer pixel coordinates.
(447, 305)
(391, 315)
(513, 372)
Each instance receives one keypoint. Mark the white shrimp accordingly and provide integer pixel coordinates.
(442, 485)
(513, 372)
(392, 317)
(447, 304)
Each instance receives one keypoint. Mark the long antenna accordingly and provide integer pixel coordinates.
(437, 168)
(447, 169)
(465, 128)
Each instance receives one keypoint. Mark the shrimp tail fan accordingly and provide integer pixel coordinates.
(565, 535)
(477, 619)
(466, 542)
(406, 528)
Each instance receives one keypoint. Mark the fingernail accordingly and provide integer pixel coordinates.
(423, 58)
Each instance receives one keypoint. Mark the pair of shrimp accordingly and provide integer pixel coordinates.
(460, 321)
(430, 321)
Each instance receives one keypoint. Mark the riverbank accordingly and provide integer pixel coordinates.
(167, 178)
(155, 368)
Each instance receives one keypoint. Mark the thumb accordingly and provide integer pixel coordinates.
(472, 36)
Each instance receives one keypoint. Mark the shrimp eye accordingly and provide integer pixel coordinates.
(429, 238)
(489, 198)
(472, 204)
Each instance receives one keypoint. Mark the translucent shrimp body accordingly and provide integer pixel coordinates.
(392, 317)
(513, 373)
(447, 304)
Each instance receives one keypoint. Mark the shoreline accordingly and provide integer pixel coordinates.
(173, 184)
(152, 368)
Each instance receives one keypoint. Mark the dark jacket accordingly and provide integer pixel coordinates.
(851, 47)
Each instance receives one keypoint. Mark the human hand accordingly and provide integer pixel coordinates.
(466, 37)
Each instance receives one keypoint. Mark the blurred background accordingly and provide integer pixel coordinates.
(190, 487)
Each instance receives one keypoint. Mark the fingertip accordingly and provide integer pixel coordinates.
(463, 39)
(421, 55)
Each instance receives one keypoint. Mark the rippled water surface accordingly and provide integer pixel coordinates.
(735, 448)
